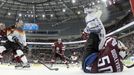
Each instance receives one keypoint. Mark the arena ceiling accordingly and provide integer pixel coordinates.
(56, 10)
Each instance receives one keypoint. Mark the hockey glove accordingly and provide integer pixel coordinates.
(25, 49)
(15, 39)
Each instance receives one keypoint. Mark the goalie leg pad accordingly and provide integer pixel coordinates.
(88, 61)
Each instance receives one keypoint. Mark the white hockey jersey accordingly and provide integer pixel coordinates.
(20, 34)
(94, 24)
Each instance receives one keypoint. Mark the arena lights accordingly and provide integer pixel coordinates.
(93, 3)
(90, 4)
(9, 13)
(43, 15)
(78, 12)
(36, 16)
(98, 1)
(25, 15)
(20, 14)
(32, 15)
(64, 10)
(51, 15)
(114, 1)
(29, 15)
(73, 1)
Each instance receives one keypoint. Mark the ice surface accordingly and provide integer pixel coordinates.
(37, 69)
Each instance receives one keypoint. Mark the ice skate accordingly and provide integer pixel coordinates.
(1, 56)
(26, 65)
(18, 65)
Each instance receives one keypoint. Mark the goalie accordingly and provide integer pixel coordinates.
(101, 54)
(16, 41)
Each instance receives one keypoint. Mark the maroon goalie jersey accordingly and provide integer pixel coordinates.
(108, 58)
(58, 47)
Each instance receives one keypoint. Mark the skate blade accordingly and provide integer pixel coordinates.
(20, 68)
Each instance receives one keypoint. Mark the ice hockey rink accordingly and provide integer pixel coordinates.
(38, 69)
(46, 21)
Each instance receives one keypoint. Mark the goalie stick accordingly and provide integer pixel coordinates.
(131, 66)
(56, 69)
(129, 53)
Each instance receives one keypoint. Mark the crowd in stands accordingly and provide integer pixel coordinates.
(45, 57)
(125, 20)
(41, 53)
(129, 41)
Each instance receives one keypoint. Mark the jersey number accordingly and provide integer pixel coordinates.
(102, 62)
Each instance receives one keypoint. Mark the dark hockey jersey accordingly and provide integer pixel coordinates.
(108, 58)
(58, 47)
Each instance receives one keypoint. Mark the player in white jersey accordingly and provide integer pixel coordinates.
(96, 33)
(92, 52)
(94, 24)
(17, 43)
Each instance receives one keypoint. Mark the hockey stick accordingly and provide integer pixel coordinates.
(131, 66)
(128, 66)
(56, 69)
(129, 54)
(65, 58)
